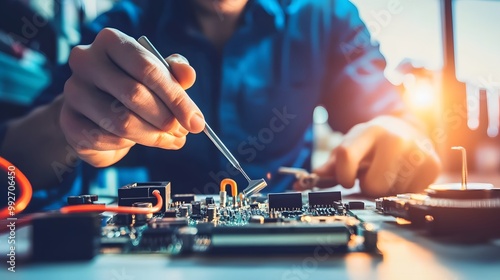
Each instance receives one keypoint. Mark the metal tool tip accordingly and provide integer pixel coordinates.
(254, 187)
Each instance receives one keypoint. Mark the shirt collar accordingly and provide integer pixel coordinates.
(263, 11)
(268, 12)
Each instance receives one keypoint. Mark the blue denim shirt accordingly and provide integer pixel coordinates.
(259, 92)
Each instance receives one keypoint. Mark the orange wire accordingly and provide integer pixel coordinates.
(231, 183)
(26, 191)
(117, 209)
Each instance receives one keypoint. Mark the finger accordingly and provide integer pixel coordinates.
(148, 70)
(122, 122)
(135, 96)
(326, 182)
(92, 144)
(355, 147)
(182, 71)
(297, 186)
(384, 171)
(326, 173)
(418, 170)
(328, 168)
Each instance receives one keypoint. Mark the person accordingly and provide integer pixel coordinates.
(252, 69)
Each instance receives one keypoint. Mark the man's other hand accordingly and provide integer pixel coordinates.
(387, 154)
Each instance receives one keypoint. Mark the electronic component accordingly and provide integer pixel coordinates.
(142, 192)
(288, 201)
(279, 238)
(140, 219)
(323, 199)
(183, 198)
(356, 205)
(170, 213)
(211, 213)
(82, 199)
(209, 200)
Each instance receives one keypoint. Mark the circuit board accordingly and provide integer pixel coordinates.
(273, 223)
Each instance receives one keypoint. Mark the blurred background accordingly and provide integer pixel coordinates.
(443, 55)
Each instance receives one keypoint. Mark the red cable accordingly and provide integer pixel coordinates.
(26, 192)
(18, 203)
(117, 209)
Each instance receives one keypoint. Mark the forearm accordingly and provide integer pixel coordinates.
(36, 145)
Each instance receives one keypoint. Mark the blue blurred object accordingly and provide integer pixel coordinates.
(22, 79)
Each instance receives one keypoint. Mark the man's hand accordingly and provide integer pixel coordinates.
(120, 94)
(387, 155)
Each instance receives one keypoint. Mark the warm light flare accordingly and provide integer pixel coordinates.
(421, 95)
(268, 176)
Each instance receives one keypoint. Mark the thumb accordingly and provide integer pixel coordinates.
(182, 71)
(328, 168)
(326, 173)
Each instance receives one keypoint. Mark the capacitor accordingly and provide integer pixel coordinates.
(196, 208)
(211, 213)
(223, 198)
(183, 210)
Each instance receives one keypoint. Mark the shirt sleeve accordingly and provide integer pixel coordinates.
(3, 130)
(356, 89)
(124, 16)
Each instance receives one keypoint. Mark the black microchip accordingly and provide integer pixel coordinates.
(170, 214)
(285, 200)
(356, 205)
(323, 199)
(143, 192)
(183, 198)
(196, 208)
(209, 200)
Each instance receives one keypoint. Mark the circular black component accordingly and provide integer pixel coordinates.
(459, 194)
